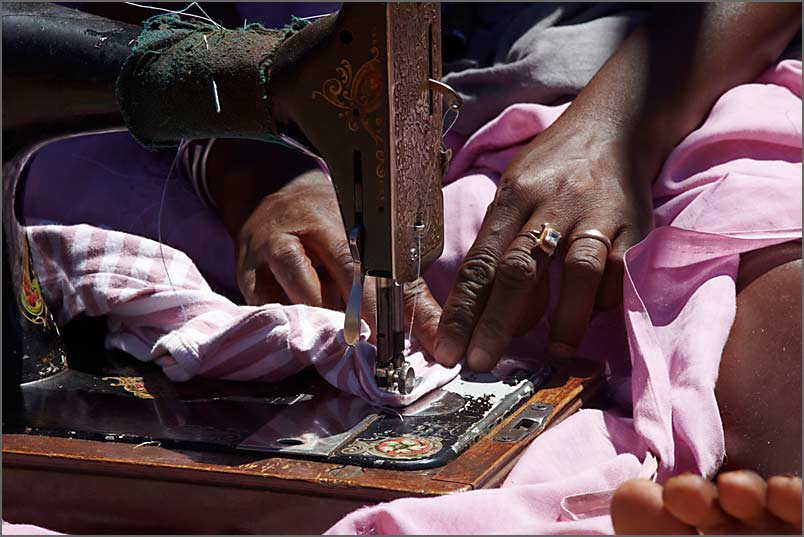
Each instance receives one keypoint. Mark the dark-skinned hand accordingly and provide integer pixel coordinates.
(593, 169)
(575, 176)
(293, 249)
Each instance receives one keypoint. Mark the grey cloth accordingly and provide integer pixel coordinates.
(530, 53)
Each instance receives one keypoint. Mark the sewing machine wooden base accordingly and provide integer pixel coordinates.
(79, 485)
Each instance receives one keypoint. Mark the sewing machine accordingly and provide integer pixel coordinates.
(367, 100)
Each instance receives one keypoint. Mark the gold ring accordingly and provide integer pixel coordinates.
(546, 238)
(592, 234)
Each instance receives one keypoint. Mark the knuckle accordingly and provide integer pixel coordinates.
(477, 270)
(511, 197)
(343, 258)
(457, 319)
(509, 192)
(586, 259)
(414, 289)
(285, 250)
(518, 267)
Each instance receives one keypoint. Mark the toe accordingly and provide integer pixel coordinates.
(637, 508)
(742, 494)
(694, 501)
(784, 499)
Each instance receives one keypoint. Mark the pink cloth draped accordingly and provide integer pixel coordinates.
(182, 325)
(732, 186)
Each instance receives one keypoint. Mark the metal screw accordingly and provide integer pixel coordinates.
(539, 406)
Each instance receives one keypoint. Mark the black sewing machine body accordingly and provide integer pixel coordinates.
(86, 392)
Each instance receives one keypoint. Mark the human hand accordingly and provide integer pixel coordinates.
(577, 176)
(293, 249)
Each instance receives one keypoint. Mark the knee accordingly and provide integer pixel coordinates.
(759, 387)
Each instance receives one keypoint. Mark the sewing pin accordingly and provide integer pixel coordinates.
(215, 95)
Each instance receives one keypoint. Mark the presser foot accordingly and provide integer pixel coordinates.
(392, 372)
(400, 379)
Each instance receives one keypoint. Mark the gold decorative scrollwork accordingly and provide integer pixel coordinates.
(30, 297)
(133, 385)
(359, 96)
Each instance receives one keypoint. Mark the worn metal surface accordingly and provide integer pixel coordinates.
(110, 396)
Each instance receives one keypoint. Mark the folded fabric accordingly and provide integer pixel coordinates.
(732, 186)
(160, 309)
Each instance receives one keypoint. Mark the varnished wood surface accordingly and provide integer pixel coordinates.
(78, 486)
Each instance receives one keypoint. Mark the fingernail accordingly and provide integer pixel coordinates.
(446, 351)
(561, 350)
(478, 359)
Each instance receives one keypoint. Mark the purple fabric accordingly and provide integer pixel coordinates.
(112, 182)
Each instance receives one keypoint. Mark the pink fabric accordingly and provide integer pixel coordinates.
(190, 330)
(25, 529)
(732, 186)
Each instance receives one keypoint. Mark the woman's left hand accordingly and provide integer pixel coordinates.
(576, 176)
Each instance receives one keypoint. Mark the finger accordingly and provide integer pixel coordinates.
(610, 291)
(583, 269)
(475, 276)
(294, 271)
(331, 249)
(517, 276)
(266, 289)
(257, 285)
(425, 316)
(330, 294)
(368, 307)
(532, 309)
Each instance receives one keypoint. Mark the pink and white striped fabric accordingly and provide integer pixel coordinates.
(188, 329)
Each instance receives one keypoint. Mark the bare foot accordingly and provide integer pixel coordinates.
(740, 503)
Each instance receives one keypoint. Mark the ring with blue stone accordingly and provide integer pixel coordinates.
(548, 238)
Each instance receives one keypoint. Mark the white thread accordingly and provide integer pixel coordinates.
(206, 14)
(314, 17)
(159, 235)
(418, 275)
(419, 235)
(215, 97)
(457, 113)
(180, 12)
